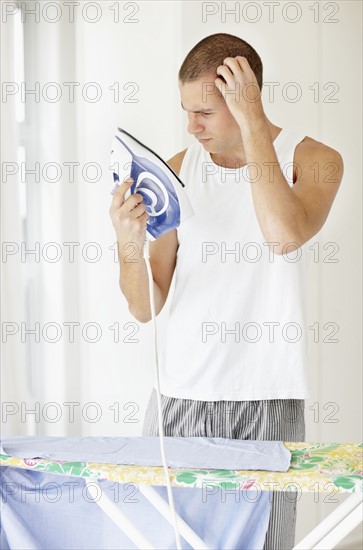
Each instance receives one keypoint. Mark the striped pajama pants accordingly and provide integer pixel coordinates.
(268, 420)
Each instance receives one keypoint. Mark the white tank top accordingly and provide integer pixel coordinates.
(237, 324)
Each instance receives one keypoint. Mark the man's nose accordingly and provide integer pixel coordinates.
(194, 125)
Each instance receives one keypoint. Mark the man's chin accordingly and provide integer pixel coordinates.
(211, 148)
(209, 145)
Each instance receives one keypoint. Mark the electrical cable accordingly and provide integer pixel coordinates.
(146, 255)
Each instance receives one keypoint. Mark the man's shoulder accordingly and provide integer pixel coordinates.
(310, 151)
(311, 147)
(176, 161)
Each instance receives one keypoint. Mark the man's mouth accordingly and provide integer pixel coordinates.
(204, 140)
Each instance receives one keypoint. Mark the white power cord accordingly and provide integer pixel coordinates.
(161, 429)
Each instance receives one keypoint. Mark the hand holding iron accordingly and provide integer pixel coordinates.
(129, 217)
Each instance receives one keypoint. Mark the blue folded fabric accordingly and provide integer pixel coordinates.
(41, 510)
(181, 452)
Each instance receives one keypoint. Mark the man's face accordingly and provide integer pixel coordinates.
(209, 117)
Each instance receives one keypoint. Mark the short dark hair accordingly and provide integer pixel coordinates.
(210, 52)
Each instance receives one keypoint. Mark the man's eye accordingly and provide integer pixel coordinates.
(206, 114)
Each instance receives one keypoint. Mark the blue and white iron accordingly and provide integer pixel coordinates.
(164, 197)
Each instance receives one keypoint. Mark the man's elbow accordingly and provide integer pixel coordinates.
(285, 246)
(291, 239)
(141, 317)
(143, 320)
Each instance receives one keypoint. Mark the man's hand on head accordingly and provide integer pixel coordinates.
(239, 87)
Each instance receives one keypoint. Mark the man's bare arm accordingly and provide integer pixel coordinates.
(285, 214)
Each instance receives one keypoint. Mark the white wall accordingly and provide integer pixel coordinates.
(148, 52)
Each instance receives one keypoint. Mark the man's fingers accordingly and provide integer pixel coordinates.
(221, 85)
(225, 72)
(119, 194)
(243, 61)
(235, 63)
(138, 211)
(118, 198)
(125, 185)
(131, 204)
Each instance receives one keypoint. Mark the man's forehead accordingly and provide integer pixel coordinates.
(200, 108)
(200, 96)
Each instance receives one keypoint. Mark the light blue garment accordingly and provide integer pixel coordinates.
(53, 512)
(50, 511)
(181, 452)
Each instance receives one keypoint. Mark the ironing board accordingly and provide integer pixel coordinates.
(315, 467)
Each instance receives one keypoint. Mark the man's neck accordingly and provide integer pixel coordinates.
(236, 159)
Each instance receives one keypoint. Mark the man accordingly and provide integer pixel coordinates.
(259, 193)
